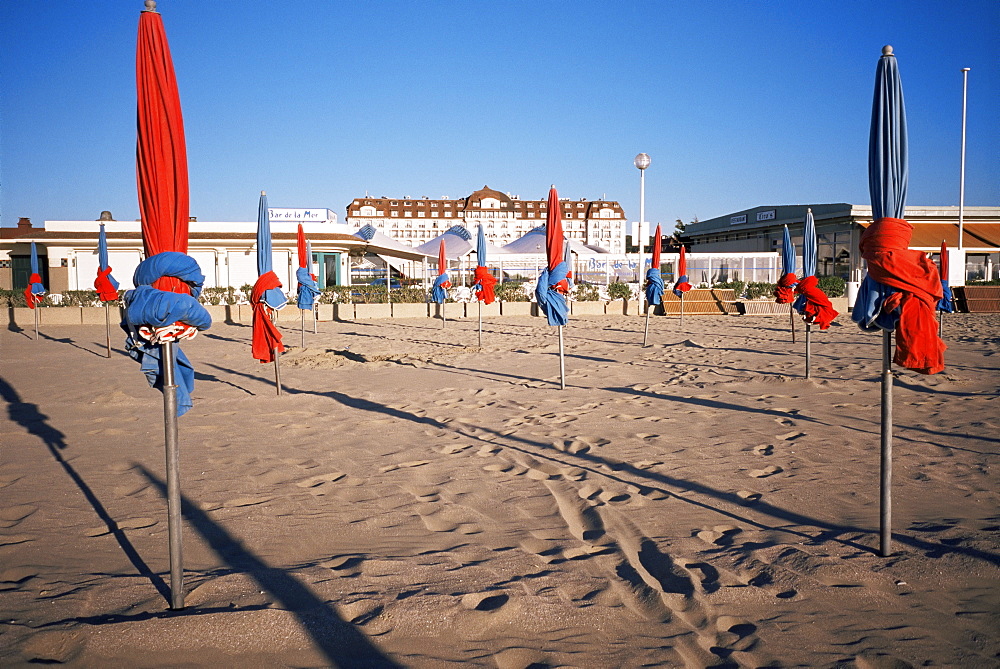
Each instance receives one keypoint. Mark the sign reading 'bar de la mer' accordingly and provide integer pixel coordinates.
(736, 220)
(765, 215)
(301, 215)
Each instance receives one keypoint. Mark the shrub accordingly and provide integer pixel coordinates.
(219, 295)
(758, 289)
(619, 291)
(511, 291)
(983, 282)
(738, 286)
(833, 286)
(586, 292)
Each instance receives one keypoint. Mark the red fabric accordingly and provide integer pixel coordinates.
(266, 336)
(884, 246)
(487, 281)
(442, 262)
(33, 298)
(656, 247)
(784, 291)
(161, 155)
(553, 231)
(300, 240)
(943, 270)
(105, 289)
(818, 308)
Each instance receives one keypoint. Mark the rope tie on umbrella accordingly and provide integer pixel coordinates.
(654, 285)
(266, 336)
(813, 304)
(551, 290)
(308, 289)
(911, 292)
(106, 285)
(35, 292)
(439, 291)
(484, 282)
(784, 290)
(154, 316)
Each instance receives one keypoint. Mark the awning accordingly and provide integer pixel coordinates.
(928, 236)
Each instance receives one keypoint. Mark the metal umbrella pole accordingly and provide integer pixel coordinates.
(808, 348)
(480, 323)
(315, 312)
(443, 319)
(562, 361)
(791, 321)
(277, 356)
(885, 496)
(645, 332)
(173, 477)
(302, 326)
(107, 325)
(35, 310)
(682, 311)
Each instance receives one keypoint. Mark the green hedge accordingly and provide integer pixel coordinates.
(586, 292)
(511, 291)
(619, 291)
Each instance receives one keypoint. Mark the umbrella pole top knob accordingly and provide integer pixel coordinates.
(150, 5)
(263, 192)
(887, 50)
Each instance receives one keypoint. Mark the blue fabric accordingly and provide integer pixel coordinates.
(867, 311)
(102, 255)
(308, 288)
(551, 301)
(273, 297)
(654, 285)
(438, 293)
(888, 165)
(946, 303)
(683, 279)
(809, 243)
(888, 174)
(36, 288)
(787, 253)
(156, 308)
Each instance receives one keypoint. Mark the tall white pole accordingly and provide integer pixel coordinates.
(961, 177)
(642, 219)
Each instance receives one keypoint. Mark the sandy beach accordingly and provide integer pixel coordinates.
(415, 500)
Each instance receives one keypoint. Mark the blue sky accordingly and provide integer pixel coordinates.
(738, 104)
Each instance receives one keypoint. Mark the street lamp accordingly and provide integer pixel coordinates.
(641, 162)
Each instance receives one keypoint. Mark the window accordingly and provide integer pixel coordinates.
(367, 211)
(408, 214)
(421, 214)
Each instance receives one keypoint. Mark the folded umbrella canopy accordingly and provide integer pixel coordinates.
(553, 282)
(308, 288)
(947, 302)
(812, 303)
(654, 278)
(35, 292)
(902, 287)
(681, 286)
(106, 285)
(484, 281)
(163, 308)
(439, 291)
(784, 290)
(266, 293)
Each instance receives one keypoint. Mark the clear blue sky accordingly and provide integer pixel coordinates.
(739, 104)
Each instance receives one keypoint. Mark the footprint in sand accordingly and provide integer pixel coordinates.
(16, 576)
(720, 535)
(246, 501)
(748, 497)
(320, 479)
(791, 436)
(770, 470)
(763, 449)
(484, 601)
(13, 515)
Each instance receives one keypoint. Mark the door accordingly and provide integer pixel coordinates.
(21, 271)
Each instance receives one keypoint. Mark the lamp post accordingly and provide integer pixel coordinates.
(961, 173)
(641, 162)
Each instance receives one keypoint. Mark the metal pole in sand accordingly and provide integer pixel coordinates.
(808, 348)
(562, 361)
(941, 325)
(682, 311)
(173, 477)
(315, 311)
(36, 320)
(107, 325)
(277, 356)
(443, 319)
(480, 323)
(885, 497)
(791, 321)
(302, 326)
(645, 333)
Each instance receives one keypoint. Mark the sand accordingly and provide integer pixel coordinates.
(414, 500)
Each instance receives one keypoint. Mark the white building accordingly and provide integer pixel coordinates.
(596, 223)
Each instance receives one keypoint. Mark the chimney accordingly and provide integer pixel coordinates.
(24, 223)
